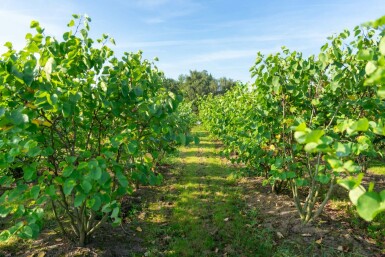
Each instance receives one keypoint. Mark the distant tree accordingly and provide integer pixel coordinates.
(172, 85)
(224, 84)
(201, 83)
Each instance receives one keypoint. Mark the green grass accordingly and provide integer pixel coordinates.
(207, 217)
(200, 211)
(377, 168)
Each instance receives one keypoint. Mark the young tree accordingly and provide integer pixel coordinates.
(85, 125)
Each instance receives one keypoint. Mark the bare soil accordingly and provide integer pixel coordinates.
(333, 229)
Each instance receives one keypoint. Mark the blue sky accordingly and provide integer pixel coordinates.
(219, 36)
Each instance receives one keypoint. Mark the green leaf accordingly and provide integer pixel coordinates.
(370, 67)
(132, 147)
(67, 109)
(122, 179)
(51, 191)
(35, 190)
(26, 232)
(323, 178)
(69, 184)
(351, 167)
(49, 67)
(378, 22)
(29, 231)
(29, 172)
(356, 193)
(314, 136)
(82, 165)
(291, 174)
(106, 208)
(86, 186)
(322, 57)
(67, 171)
(115, 212)
(96, 173)
(381, 92)
(342, 150)
(348, 184)
(276, 85)
(360, 125)
(79, 199)
(300, 136)
(365, 54)
(34, 24)
(5, 235)
(95, 202)
(301, 182)
(35, 228)
(369, 205)
(71, 159)
(48, 151)
(33, 152)
(18, 118)
(382, 46)
(311, 147)
(28, 73)
(14, 229)
(138, 91)
(8, 45)
(125, 89)
(5, 210)
(71, 23)
(66, 35)
(182, 139)
(336, 164)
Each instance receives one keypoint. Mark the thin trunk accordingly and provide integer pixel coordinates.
(64, 232)
(326, 199)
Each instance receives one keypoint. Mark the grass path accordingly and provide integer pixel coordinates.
(199, 211)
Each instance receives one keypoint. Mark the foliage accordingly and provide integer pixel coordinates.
(304, 119)
(198, 84)
(84, 127)
(368, 202)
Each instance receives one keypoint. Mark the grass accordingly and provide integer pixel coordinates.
(206, 216)
(377, 168)
(200, 211)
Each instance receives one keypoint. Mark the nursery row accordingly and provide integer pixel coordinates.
(79, 129)
(310, 123)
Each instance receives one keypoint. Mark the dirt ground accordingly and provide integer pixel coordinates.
(333, 229)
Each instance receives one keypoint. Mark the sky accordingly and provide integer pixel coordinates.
(220, 36)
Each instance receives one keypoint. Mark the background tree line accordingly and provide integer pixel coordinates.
(198, 84)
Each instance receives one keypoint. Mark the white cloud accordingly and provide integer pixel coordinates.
(222, 55)
(223, 41)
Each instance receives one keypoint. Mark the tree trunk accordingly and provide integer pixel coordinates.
(82, 238)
